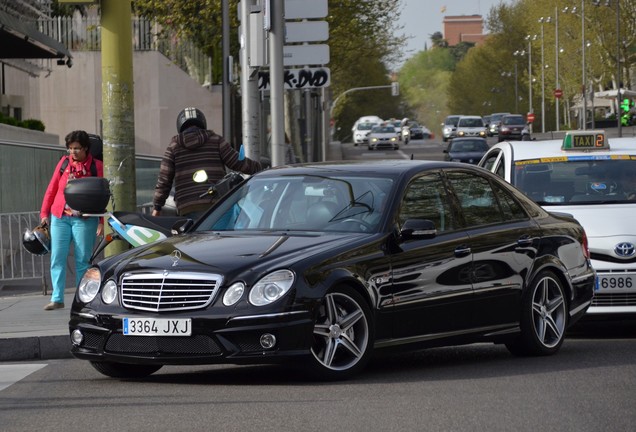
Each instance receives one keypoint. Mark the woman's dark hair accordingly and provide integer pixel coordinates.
(79, 136)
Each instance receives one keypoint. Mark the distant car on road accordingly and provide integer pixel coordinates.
(385, 136)
(418, 131)
(470, 126)
(593, 179)
(361, 132)
(494, 122)
(513, 127)
(468, 150)
(449, 127)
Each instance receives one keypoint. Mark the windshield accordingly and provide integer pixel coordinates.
(469, 146)
(365, 126)
(305, 203)
(383, 129)
(471, 122)
(517, 121)
(451, 121)
(580, 180)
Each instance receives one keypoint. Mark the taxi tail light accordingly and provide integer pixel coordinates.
(586, 247)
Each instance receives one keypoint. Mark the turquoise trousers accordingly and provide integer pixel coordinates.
(81, 232)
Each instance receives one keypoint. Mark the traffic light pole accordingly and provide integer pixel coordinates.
(333, 104)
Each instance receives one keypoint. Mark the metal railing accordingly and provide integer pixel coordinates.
(84, 34)
(16, 264)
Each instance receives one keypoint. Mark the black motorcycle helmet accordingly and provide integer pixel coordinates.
(190, 117)
(37, 241)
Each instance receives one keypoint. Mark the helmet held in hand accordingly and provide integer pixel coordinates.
(37, 241)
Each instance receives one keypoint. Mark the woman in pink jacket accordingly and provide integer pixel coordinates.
(66, 226)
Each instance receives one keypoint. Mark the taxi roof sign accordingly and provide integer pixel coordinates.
(585, 140)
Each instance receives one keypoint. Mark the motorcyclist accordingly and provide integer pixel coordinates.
(195, 148)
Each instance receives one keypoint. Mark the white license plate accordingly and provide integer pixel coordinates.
(157, 327)
(616, 282)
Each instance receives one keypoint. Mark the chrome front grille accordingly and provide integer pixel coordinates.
(169, 291)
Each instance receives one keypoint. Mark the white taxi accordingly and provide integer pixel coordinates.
(593, 179)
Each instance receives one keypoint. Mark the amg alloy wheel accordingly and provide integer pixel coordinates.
(343, 335)
(543, 318)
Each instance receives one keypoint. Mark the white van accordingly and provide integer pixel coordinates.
(362, 127)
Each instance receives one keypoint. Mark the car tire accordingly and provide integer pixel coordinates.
(123, 370)
(544, 317)
(343, 335)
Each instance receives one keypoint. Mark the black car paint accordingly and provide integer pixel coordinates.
(419, 297)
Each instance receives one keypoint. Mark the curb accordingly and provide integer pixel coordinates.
(35, 348)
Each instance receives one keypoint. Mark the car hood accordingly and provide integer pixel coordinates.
(606, 220)
(384, 135)
(229, 253)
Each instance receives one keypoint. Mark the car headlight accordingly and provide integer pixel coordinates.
(233, 293)
(460, 133)
(109, 291)
(89, 285)
(482, 133)
(374, 139)
(271, 287)
(394, 139)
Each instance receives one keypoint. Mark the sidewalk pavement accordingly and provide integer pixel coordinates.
(27, 332)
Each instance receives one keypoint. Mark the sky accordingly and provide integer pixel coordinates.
(422, 18)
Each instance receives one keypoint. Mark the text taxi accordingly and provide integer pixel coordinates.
(592, 178)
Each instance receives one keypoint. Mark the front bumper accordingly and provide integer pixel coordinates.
(217, 339)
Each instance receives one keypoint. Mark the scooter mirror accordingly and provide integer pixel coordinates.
(200, 176)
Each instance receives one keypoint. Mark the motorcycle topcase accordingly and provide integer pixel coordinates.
(87, 194)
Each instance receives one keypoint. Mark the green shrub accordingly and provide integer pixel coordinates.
(33, 124)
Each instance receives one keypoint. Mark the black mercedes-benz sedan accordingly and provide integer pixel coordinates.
(321, 265)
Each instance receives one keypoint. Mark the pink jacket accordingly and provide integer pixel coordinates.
(54, 201)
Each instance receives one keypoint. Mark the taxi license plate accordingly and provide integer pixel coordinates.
(157, 327)
(616, 282)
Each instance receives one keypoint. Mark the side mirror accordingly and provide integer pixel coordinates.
(200, 176)
(418, 229)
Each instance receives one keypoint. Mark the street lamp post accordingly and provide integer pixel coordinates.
(584, 86)
(556, 47)
(617, 5)
(543, 20)
(530, 39)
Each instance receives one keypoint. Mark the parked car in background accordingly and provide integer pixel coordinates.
(513, 127)
(495, 121)
(449, 127)
(468, 150)
(384, 136)
(470, 126)
(594, 180)
(318, 266)
(361, 132)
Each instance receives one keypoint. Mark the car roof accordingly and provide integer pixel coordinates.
(388, 167)
(524, 150)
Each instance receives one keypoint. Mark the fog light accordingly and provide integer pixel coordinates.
(268, 340)
(77, 337)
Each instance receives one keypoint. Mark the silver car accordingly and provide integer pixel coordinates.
(384, 137)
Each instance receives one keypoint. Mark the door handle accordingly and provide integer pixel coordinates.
(524, 240)
(462, 251)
